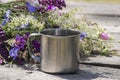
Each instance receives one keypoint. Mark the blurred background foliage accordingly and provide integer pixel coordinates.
(99, 1)
(95, 1)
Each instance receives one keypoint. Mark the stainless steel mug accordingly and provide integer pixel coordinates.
(59, 50)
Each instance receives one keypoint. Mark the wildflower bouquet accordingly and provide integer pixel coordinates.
(19, 19)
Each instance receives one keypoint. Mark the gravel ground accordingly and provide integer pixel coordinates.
(85, 72)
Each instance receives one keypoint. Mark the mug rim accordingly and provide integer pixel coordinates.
(72, 30)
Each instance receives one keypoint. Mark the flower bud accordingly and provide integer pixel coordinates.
(104, 36)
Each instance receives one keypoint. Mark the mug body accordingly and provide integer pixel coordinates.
(59, 49)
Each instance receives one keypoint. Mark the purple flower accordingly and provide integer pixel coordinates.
(6, 17)
(46, 5)
(7, 14)
(1, 61)
(51, 7)
(83, 35)
(3, 36)
(104, 36)
(3, 51)
(36, 45)
(26, 36)
(30, 7)
(5, 22)
(14, 52)
(20, 41)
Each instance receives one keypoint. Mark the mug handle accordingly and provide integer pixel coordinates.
(29, 44)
